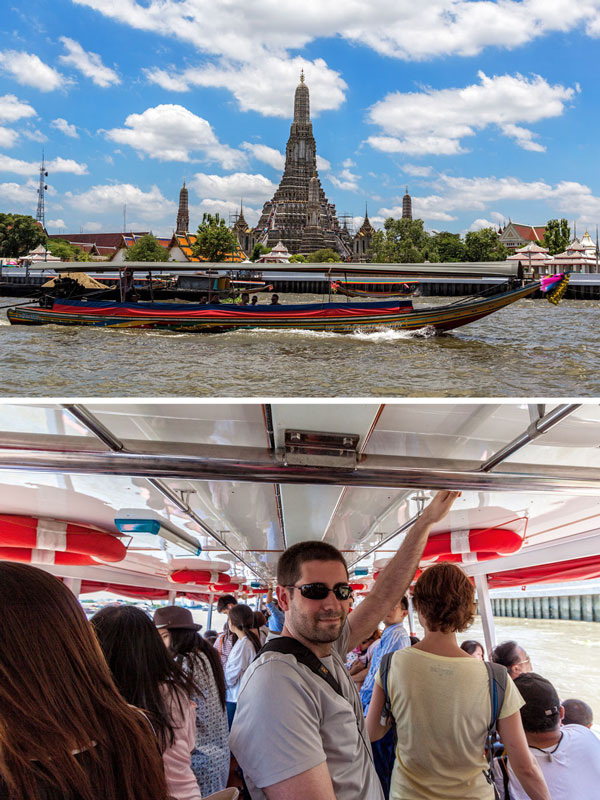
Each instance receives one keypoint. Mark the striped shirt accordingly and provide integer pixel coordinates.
(394, 637)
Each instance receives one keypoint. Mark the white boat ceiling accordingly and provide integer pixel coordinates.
(219, 476)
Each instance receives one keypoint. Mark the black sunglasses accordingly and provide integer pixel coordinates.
(319, 591)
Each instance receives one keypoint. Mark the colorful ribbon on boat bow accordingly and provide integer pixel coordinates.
(555, 286)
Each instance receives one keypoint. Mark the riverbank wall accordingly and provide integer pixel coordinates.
(580, 607)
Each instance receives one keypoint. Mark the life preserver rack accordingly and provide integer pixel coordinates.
(464, 546)
(200, 576)
(52, 541)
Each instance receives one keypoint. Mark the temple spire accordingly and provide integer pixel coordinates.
(302, 103)
(183, 214)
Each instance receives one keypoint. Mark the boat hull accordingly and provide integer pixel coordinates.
(334, 317)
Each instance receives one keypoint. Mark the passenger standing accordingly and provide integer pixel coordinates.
(65, 730)
(313, 743)
(226, 639)
(148, 678)
(241, 622)
(394, 637)
(276, 615)
(568, 756)
(200, 660)
(440, 701)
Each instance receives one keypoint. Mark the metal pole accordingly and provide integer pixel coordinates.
(411, 615)
(74, 584)
(172, 598)
(487, 613)
(210, 612)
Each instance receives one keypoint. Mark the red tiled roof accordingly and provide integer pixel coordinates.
(530, 233)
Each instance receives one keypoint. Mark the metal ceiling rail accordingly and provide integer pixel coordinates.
(94, 425)
(372, 472)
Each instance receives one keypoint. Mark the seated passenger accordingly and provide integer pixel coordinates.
(473, 648)
(275, 300)
(245, 299)
(513, 657)
(577, 713)
(148, 678)
(66, 732)
(254, 300)
(569, 756)
(440, 700)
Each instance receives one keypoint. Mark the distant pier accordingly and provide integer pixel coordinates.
(580, 602)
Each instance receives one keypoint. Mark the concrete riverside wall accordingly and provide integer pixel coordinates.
(585, 607)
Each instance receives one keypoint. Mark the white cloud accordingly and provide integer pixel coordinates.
(8, 137)
(479, 224)
(226, 209)
(19, 194)
(34, 135)
(56, 223)
(89, 64)
(172, 133)
(322, 164)
(265, 85)
(402, 29)
(254, 188)
(109, 199)
(8, 164)
(268, 155)
(417, 171)
(29, 70)
(348, 163)
(65, 127)
(435, 120)
(12, 109)
(347, 181)
(94, 227)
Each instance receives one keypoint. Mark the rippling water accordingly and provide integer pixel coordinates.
(529, 349)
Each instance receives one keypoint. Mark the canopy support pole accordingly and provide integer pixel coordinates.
(74, 584)
(487, 614)
(211, 602)
(411, 615)
(172, 596)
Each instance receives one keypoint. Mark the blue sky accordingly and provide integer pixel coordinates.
(486, 111)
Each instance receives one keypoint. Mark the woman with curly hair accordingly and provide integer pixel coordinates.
(440, 701)
(65, 731)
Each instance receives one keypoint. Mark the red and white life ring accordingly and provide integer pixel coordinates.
(28, 555)
(60, 536)
(483, 544)
(200, 576)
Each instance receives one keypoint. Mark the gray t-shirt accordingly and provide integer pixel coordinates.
(289, 720)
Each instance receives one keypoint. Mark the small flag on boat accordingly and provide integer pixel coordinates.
(555, 286)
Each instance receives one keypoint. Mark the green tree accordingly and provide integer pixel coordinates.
(147, 248)
(557, 236)
(445, 246)
(65, 251)
(298, 259)
(402, 241)
(484, 245)
(259, 250)
(214, 240)
(324, 256)
(19, 234)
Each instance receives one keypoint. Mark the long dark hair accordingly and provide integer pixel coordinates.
(65, 731)
(185, 643)
(242, 617)
(141, 665)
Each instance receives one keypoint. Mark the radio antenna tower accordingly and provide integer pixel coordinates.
(41, 213)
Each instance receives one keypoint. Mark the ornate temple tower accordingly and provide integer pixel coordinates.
(363, 239)
(183, 214)
(406, 206)
(286, 215)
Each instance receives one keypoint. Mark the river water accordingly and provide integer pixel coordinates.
(530, 349)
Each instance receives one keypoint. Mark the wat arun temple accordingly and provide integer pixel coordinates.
(299, 215)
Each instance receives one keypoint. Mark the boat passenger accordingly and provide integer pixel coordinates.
(276, 615)
(298, 692)
(149, 678)
(245, 299)
(254, 300)
(440, 701)
(568, 756)
(243, 652)
(260, 624)
(275, 300)
(210, 636)
(473, 648)
(65, 730)
(513, 657)
(198, 658)
(226, 639)
(577, 713)
(394, 637)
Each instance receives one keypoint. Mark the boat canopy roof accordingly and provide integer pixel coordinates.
(227, 486)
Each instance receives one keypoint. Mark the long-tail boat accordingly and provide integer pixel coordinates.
(373, 287)
(335, 317)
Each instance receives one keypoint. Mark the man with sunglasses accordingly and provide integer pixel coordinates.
(299, 732)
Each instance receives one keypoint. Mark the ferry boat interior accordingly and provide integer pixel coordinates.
(167, 500)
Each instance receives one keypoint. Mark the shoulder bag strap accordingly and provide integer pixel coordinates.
(290, 646)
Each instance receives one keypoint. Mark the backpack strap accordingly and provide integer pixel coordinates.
(290, 646)
(497, 680)
(384, 670)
